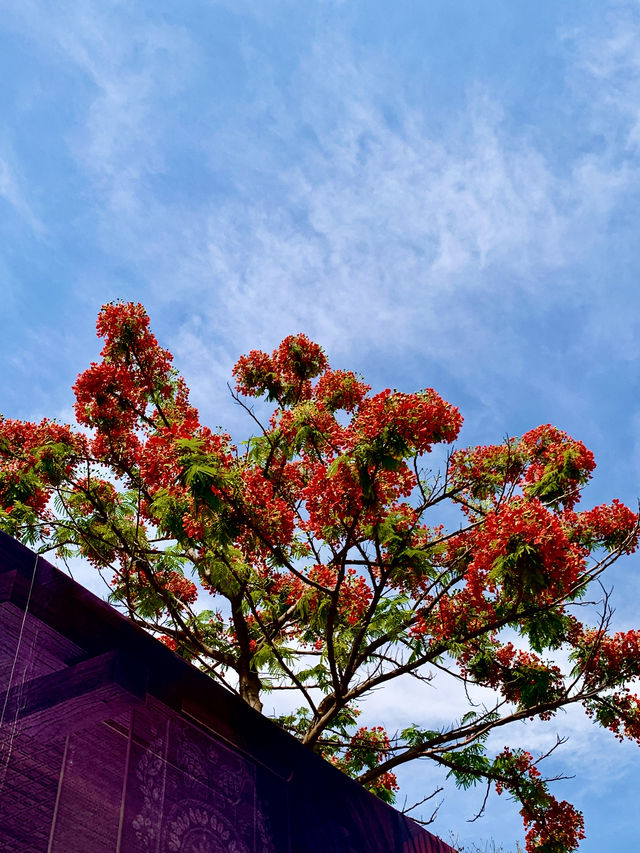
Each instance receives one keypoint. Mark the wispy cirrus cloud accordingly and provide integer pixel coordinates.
(14, 194)
(345, 209)
(607, 63)
(328, 200)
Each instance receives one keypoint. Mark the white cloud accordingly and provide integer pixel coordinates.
(607, 61)
(375, 234)
(131, 62)
(12, 192)
(389, 237)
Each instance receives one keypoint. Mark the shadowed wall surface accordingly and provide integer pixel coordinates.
(110, 742)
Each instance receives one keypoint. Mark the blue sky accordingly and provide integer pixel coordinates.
(441, 193)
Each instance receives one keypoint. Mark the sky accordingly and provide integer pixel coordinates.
(442, 193)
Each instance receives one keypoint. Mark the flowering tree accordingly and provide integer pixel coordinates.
(319, 548)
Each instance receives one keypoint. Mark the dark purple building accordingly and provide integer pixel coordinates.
(110, 743)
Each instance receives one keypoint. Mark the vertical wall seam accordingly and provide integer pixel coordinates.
(165, 762)
(58, 795)
(123, 795)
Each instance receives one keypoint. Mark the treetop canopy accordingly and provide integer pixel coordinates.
(314, 558)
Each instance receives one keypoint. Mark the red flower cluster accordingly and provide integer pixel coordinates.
(485, 472)
(558, 465)
(368, 748)
(354, 596)
(175, 584)
(610, 659)
(114, 394)
(522, 677)
(552, 826)
(272, 519)
(194, 528)
(523, 550)
(33, 459)
(405, 423)
(621, 715)
(340, 390)
(283, 375)
(611, 526)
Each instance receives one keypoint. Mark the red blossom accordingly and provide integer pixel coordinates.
(609, 525)
(558, 465)
(523, 549)
(554, 826)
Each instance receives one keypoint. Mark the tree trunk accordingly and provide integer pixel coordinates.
(249, 682)
(250, 686)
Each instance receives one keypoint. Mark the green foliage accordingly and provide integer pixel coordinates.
(470, 765)
(546, 630)
(520, 568)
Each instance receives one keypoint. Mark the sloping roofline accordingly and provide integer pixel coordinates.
(102, 648)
